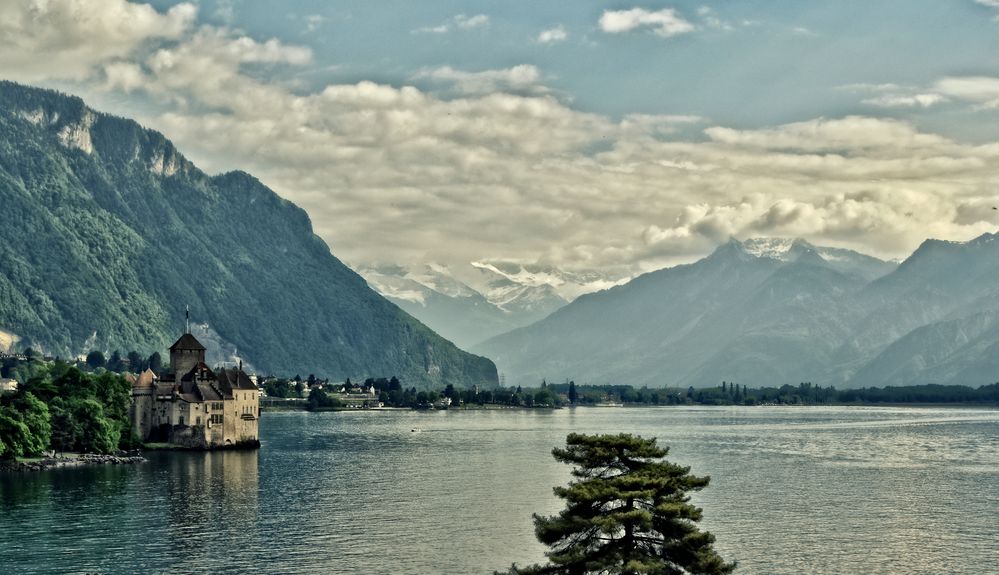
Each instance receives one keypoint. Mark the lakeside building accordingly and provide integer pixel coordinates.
(194, 406)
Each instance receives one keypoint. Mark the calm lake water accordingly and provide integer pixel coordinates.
(793, 490)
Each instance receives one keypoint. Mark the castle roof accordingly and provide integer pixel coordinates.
(207, 392)
(145, 379)
(230, 379)
(201, 371)
(187, 342)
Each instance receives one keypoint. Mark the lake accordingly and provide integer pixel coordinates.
(793, 490)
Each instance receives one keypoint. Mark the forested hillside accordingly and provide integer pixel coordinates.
(108, 233)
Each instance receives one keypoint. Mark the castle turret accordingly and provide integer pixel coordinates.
(186, 353)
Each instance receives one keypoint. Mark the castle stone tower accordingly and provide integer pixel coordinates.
(186, 353)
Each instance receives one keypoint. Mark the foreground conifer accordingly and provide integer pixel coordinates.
(627, 512)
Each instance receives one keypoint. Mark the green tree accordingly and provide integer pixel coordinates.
(95, 359)
(572, 393)
(97, 433)
(14, 434)
(627, 512)
(116, 364)
(156, 362)
(35, 414)
(65, 430)
(135, 362)
(24, 426)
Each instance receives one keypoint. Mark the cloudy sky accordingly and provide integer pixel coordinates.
(616, 136)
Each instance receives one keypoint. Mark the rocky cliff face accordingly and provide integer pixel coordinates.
(109, 232)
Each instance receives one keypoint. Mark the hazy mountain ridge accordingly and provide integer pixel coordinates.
(765, 312)
(109, 229)
(473, 303)
(449, 307)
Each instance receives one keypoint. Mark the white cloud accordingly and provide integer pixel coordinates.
(868, 87)
(313, 22)
(461, 22)
(124, 76)
(803, 31)
(471, 22)
(852, 132)
(890, 95)
(553, 35)
(225, 11)
(981, 90)
(498, 169)
(652, 125)
(70, 38)
(906, 100)
(439, 29)
(710, 19)
(523, 78)
(665, 22)
(989, 3)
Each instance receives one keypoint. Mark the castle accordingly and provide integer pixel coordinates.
(194, 406)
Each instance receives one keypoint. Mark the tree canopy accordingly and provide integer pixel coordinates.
(66, 409)
(627, 512)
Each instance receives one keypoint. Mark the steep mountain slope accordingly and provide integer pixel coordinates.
(109, 232)
(657, 329)
(767, 312)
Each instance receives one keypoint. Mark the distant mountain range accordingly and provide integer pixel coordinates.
(770, 312)
(108, 232)
(482, 299)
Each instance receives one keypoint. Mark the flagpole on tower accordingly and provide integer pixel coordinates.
(187, 317)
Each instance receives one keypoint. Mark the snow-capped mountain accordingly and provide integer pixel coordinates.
(841, 260)
(475, 302)
(499, 277)
(775, 311)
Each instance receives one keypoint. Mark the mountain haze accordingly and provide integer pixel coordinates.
(109, 232)
(471, 303)
(769, 312)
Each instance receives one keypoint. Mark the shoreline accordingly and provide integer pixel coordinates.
(491, 407)
(66, 461)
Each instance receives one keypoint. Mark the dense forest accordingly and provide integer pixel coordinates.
(60, 407)
(801, 394)
(392, 393)
(109, 232)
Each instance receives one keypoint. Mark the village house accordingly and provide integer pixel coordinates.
(193, 405)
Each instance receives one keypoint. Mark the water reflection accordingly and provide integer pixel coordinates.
(175, 513)
(823, 490)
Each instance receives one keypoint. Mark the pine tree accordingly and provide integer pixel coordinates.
(627, 512)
